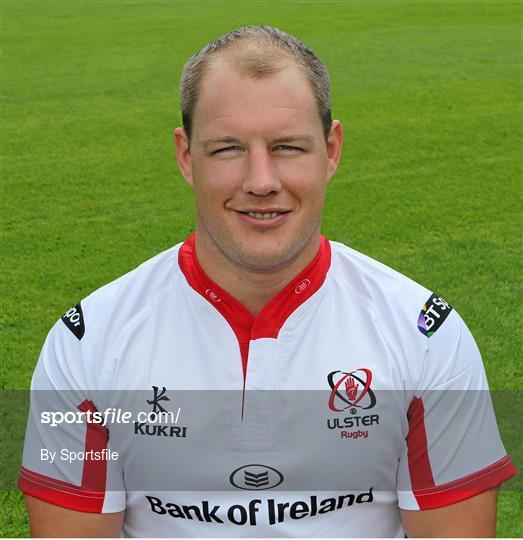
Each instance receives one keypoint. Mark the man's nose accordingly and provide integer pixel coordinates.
(261, 177)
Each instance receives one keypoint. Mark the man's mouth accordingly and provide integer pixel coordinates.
(264, 215)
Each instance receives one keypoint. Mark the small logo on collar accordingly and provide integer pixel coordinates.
(212, 295)
(302, 285)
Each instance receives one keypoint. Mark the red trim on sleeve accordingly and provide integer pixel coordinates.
(95, 471)
(273, 316)
(60, 493)
(428, 494)
(421, 476)
(90, 495)
(466, 487)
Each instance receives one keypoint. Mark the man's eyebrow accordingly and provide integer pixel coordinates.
(293, 138)
(278, 140)
(219, 140)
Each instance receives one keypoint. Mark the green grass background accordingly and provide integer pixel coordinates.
(430, 97)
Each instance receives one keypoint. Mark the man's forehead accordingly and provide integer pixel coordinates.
(281, 102)
(274, 124)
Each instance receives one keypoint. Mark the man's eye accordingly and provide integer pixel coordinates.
(226, 149)
(288, 148)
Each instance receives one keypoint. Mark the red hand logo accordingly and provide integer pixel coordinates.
(351, 389)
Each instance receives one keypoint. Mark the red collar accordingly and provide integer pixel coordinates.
(274, 314)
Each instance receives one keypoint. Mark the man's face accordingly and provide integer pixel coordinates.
(259, 165)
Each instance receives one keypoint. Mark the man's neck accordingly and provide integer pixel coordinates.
(253, 289)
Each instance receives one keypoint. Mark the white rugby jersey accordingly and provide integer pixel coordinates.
(355, 392)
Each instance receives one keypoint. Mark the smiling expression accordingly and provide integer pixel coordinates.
(259, 165)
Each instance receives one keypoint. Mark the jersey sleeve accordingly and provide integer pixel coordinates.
(66, 459)
(454, 450)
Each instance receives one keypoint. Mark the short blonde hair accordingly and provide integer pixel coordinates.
(265, 50)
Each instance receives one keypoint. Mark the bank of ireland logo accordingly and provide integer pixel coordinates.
(254, 477)
(351, 390)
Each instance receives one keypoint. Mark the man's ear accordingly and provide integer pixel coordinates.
(183, 154)
(334, 147)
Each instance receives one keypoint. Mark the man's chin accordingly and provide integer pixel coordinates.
(260, 253)
(263, 263)
(268, 258)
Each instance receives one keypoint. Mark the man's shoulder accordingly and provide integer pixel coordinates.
(150, 276)
(139, 285)
(80, 349)
(372, 280)
(395, 300)
(400, 309)
(113, 306)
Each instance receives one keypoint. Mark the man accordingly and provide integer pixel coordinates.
(329, 395)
